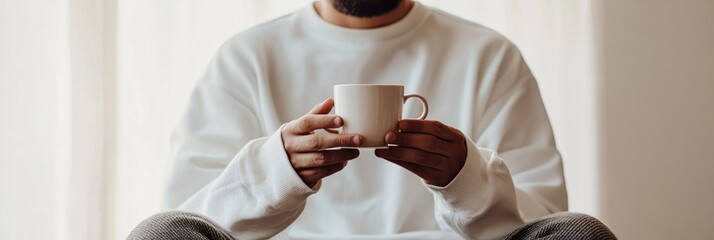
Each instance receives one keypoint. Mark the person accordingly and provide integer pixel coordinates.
(250, 159)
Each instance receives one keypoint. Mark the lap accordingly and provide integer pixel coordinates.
(178, 225)
(186, 225)
(564, 225)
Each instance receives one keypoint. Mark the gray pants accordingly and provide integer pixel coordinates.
(184, 225)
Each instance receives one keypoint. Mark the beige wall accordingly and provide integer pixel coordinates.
(656, 65)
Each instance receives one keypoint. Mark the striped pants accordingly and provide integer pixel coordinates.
(185, 225)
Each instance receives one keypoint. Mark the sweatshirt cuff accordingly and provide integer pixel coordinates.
(471, 189)
(275, 180)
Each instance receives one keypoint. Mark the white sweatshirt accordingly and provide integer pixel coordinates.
(228, 158)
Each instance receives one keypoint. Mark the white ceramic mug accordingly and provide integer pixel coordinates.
(372, 110)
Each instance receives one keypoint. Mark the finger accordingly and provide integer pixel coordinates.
(315, 142)
(324, 107)
(412, 155)
(435, 128)
(323, 158)
(425, 142)
(308, 123)
(312, 175)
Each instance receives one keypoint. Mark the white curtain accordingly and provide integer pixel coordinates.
(91, 89)
(54, 72)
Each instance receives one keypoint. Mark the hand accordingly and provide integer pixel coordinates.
(433, 151)
(306, 150)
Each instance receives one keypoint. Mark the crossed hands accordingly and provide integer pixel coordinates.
(431, 150)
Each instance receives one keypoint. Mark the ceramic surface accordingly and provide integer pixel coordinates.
(372, 110)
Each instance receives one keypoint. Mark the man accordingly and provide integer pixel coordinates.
(250, 164)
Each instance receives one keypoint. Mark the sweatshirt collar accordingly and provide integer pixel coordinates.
(323, 29)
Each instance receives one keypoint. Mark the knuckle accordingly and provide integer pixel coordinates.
(284, 130)
(460, 134)
(303, 123)
(319, 159)
(313, 142)
(287, 144)
(441, 127)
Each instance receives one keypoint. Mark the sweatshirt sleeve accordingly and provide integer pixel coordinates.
(224, 163)
(513, 171)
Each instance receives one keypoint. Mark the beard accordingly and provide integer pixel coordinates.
(365, 8)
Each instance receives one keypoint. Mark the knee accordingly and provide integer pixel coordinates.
(575, 217)
(163, 225)
(583, 225)
(168, 219)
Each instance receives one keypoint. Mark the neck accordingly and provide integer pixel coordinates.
(330, 14)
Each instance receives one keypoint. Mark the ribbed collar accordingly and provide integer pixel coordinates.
(320, 28)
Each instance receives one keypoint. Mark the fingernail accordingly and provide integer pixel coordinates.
(337, 121)
(391, 137)
(403, 125)
(357, 140)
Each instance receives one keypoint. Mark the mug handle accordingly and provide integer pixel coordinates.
(424, 105)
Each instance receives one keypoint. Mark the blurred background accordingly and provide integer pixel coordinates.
(91, 89)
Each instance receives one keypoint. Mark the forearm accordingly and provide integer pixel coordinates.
(480, 201)
(483, 202)
(257, 194)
